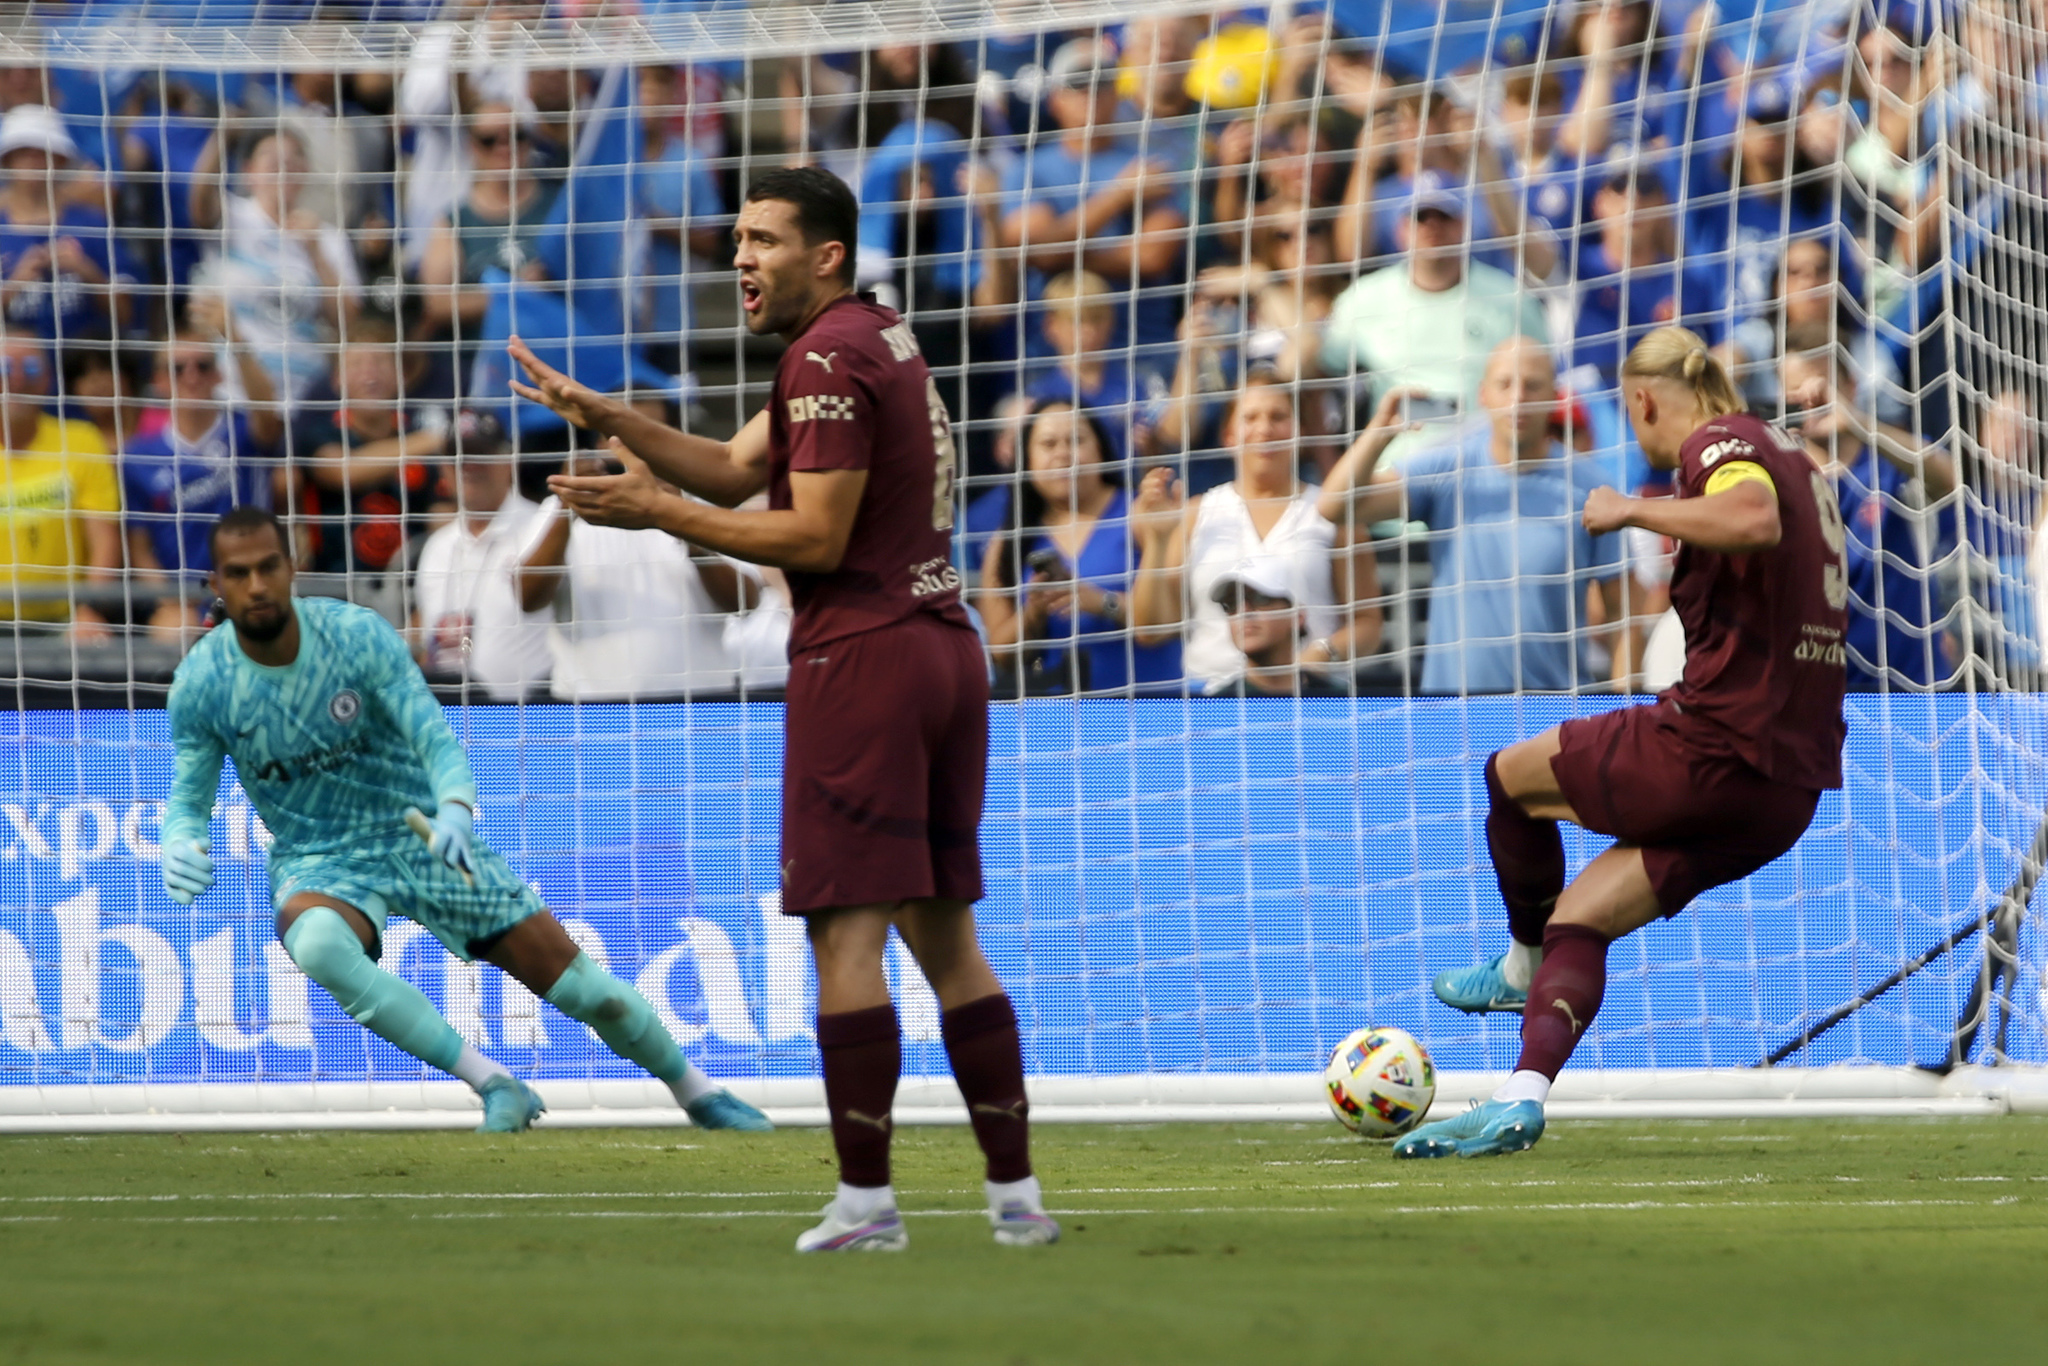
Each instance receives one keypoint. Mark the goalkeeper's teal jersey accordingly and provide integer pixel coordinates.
(332, 748)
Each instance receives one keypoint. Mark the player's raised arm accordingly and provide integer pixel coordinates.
(1738, 517)
(723, 472)
(195, 783)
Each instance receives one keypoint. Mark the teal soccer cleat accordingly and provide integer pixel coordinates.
(1487, 1129)
(724, 1110)
(510, 1106)
(1479, 989)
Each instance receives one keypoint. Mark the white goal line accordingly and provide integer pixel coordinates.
(1776, 1093)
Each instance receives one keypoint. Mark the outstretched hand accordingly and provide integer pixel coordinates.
(580, 404)
(632, 499)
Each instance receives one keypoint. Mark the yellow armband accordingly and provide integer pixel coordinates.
(1742, 471)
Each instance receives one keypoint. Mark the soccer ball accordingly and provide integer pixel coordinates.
(1379, 1082)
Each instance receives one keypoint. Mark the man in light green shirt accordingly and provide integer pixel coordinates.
(1431, 322)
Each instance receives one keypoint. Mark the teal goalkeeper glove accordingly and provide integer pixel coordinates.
(448, 833)
(187, 868)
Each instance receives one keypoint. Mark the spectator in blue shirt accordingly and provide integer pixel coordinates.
(1090, 196)
(1055, 580)
(1742, 207)
(1883, 479)
(62, 271)
(1629, 280)
(1079, 318)
(205, 459)
(1510, 558)
(675, 191)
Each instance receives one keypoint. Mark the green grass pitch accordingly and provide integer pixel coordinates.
(1763, 1241)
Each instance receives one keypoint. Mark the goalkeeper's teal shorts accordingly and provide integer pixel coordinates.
(468, 918)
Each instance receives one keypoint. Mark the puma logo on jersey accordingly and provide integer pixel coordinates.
(1565, 1006)
(824, 360)
(856, 1117)
(1721, 448)
(821, 407)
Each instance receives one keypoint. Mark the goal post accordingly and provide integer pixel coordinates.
(1192, 894)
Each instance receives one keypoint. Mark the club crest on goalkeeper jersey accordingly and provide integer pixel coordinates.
(331, 748)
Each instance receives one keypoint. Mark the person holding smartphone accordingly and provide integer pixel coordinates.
(1056, 579)
(1509, 558)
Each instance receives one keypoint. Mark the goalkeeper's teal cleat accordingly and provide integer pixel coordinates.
(1479, 989)
(1487, 1129)
(724, 1110)
(510, 1106)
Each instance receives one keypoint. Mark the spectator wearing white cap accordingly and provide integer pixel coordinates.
(467, 618)
(1267, 513)
(1267, 623)
(640, 614)
(62, 271)
(1431, 322)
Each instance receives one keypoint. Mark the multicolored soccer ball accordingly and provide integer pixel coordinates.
(1379, 1082)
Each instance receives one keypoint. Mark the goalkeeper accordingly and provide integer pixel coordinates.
(344, 752)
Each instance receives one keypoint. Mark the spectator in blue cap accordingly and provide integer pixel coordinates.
(1741, 208)
(1629, 278)
(1430, 322)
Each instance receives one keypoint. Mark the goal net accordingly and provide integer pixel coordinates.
(1170, 264)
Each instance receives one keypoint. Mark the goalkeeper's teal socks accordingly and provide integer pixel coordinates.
(627, 1024)
(327, 950)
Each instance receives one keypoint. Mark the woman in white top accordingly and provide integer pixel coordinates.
(290, 279)
(1268, 512)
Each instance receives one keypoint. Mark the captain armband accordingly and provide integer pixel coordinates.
(1740, 472)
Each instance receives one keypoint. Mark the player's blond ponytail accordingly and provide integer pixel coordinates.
(1676, 353)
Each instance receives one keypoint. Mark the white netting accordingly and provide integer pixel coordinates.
(272, 252)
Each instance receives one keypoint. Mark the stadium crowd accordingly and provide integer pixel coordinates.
(1283, 342)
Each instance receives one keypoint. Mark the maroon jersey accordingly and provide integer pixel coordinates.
(1764, 651)
(853, 393)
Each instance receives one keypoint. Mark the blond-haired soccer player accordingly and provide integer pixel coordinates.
(1716, 778)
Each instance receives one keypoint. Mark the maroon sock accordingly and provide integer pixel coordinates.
(1528, 859)
(863, 1052)
(1564, 998)
(988, 1062)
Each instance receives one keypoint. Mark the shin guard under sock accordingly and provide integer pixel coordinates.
(1564, 998)
(988, 1063)
(627, 1024)
(863, 1053)
(1528, 860)
(327, 950)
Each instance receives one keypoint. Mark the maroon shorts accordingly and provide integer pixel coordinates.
(885, 756)
(1701, 820)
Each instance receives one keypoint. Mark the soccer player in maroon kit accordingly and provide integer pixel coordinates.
(887, 714)
(1704, 786)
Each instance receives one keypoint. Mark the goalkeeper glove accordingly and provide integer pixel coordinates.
(448, 834)
(187, 868)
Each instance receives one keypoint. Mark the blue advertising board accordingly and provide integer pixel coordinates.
(1208, 886)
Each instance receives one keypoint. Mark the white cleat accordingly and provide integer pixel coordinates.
(1016, 1211)
(1019, 1224)
(879, 1230)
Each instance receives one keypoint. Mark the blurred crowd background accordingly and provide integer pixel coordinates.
(1281, 343)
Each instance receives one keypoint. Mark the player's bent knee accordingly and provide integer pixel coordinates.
(327, 948)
